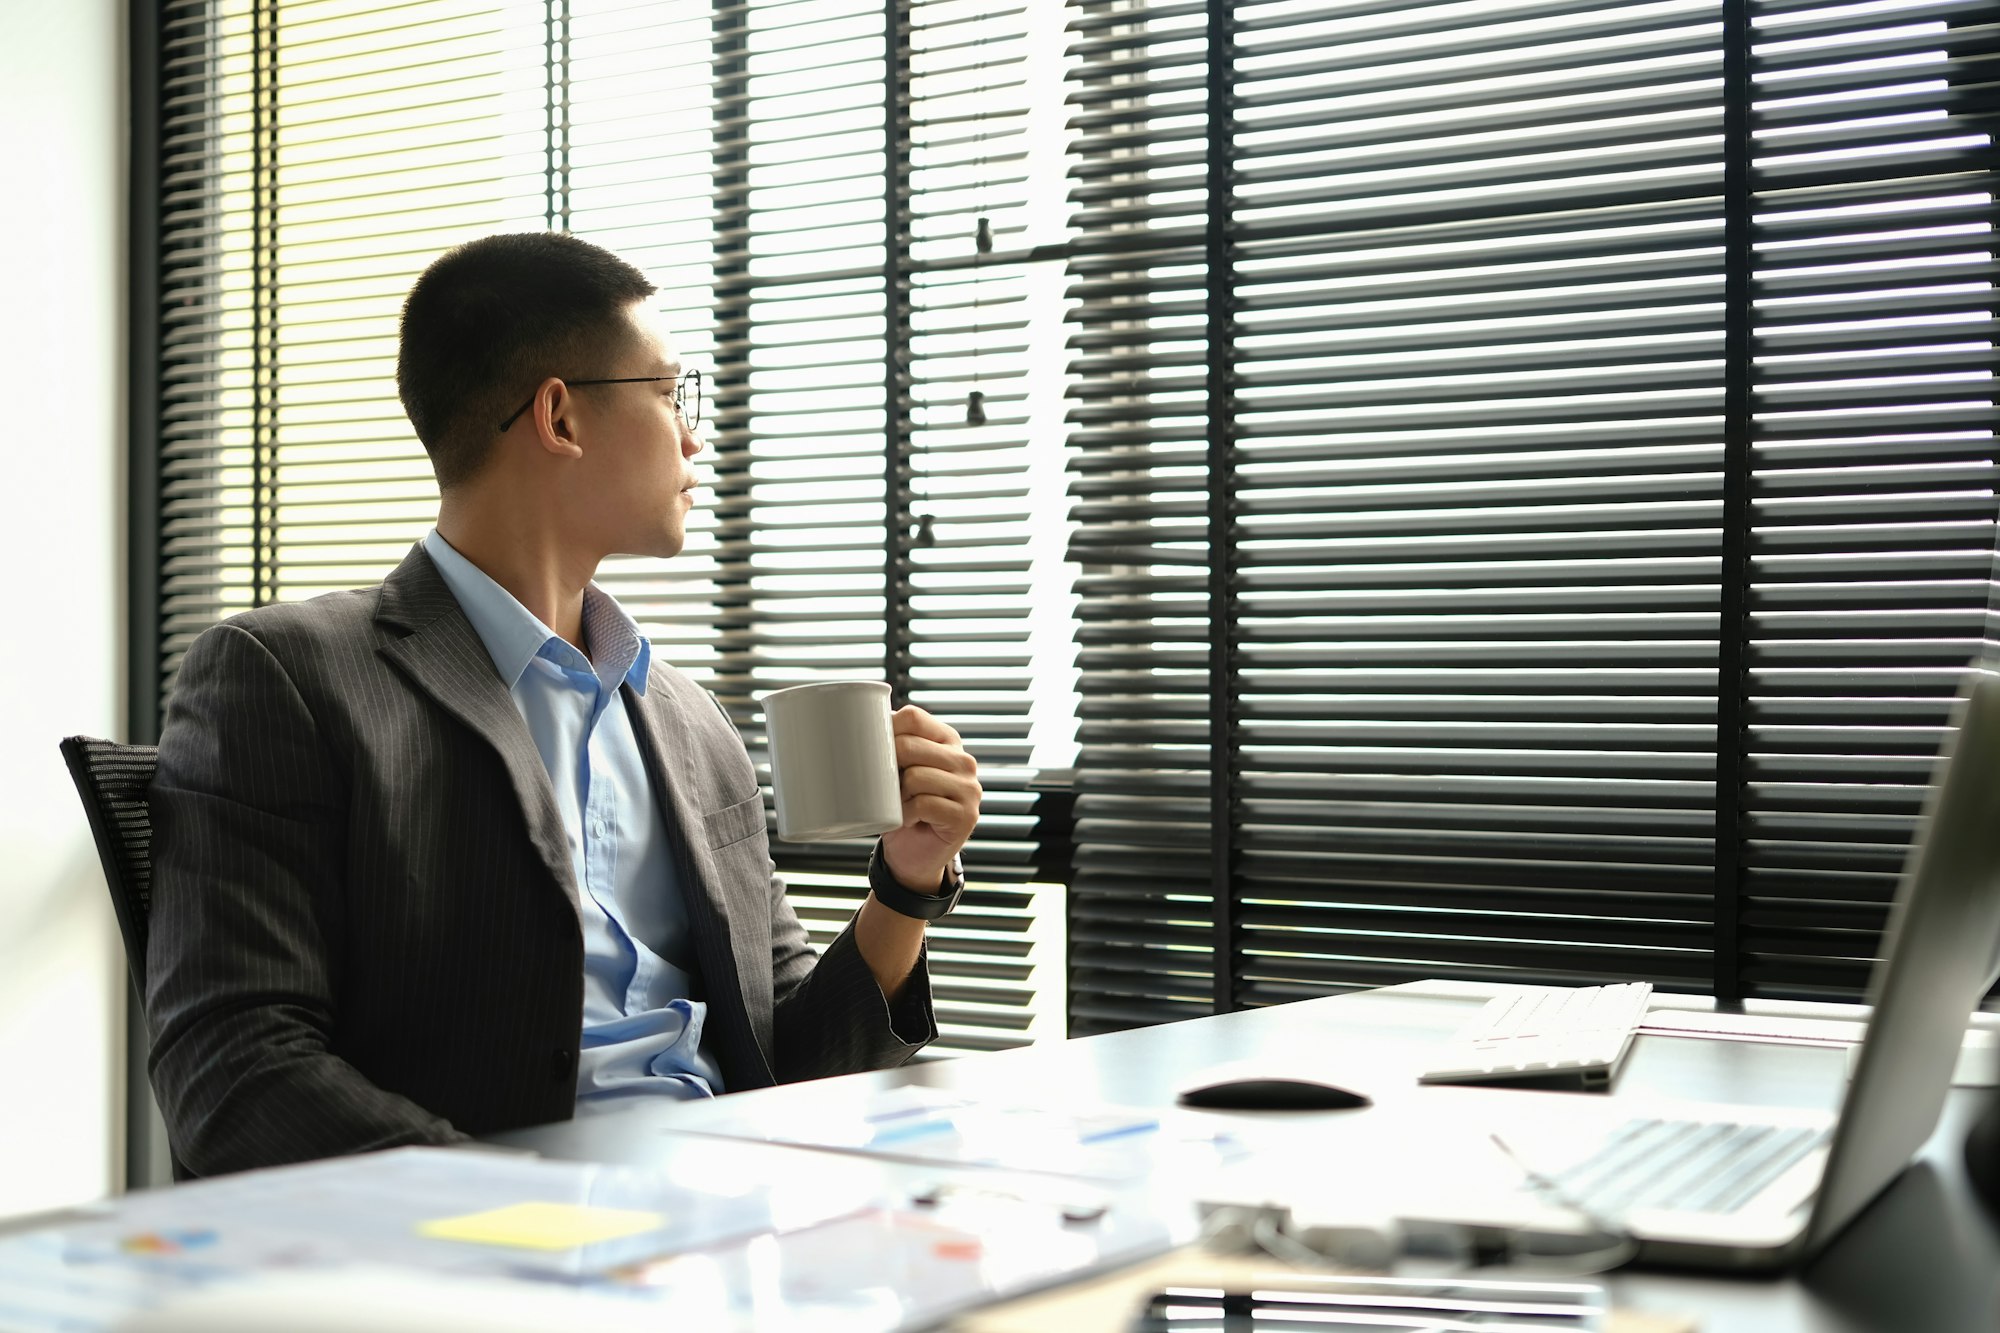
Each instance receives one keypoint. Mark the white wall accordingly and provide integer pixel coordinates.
(62, 554)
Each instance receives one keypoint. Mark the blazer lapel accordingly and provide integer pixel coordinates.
(669, 745)
(443, 656)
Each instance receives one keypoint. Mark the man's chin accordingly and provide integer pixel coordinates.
(653, 545)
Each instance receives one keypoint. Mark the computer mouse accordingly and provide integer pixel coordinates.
(1272, 1093)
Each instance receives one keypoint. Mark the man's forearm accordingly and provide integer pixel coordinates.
(890, 944)
(941, 796)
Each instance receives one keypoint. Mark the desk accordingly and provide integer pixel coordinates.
(1925, 1258)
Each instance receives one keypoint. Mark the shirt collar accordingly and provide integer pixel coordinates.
(515, 636)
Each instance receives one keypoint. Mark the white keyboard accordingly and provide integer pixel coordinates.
(1555, 1036)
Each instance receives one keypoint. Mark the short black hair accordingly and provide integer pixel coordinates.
(489, 320)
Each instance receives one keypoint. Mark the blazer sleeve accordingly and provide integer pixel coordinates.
(832, 1017)
(248, 827)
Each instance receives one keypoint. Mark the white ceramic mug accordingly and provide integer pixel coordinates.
(833, 761)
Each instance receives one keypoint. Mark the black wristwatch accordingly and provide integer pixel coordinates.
(922, 906)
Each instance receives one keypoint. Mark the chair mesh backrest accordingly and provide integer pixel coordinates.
(112, 779)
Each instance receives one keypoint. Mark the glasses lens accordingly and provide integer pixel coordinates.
(690, 398)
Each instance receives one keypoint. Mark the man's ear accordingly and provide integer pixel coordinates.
(554, 415)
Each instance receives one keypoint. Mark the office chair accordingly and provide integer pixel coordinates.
(112, 780)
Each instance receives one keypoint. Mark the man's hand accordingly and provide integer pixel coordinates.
(940, 800)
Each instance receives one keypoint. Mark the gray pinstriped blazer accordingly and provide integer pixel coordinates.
(364, 924)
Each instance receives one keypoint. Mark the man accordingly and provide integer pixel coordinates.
(452, 854)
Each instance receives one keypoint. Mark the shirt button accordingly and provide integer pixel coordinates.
(559, 1064)
(597, 828)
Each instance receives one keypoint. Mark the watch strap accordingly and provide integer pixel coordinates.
(923, 906)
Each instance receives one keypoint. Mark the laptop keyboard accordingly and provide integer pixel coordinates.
(1692, 1165)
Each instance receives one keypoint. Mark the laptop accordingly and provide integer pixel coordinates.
(1729, 1186)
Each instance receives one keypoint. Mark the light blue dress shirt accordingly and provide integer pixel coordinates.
(641, 1032)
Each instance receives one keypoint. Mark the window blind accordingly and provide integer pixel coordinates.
(315, 157)
(1532, 485)
(1530, 462)
(824, 193)
(1141, 912)
(1872, 468)
(871, 509)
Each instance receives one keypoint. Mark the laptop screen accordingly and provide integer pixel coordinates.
(1940, 947)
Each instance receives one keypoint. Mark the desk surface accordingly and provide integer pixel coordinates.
(1925, 1258)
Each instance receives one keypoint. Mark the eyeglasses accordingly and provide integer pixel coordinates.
(687, 395)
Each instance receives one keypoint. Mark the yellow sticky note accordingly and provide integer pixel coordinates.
(541, 1226)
